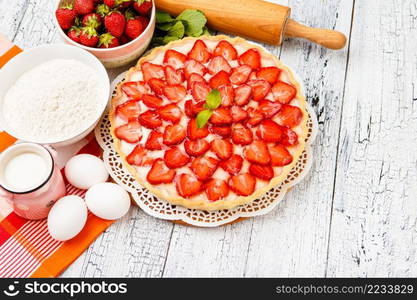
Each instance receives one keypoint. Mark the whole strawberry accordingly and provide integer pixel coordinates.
(142, 6)
(108, 41)
(134, 28)
(88, 37)
(74, 33)
(83, 7)
(65, 16)
(115, 23)
(92, 20)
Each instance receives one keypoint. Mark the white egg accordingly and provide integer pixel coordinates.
(67, 218)
(85, 170)
(107, 201)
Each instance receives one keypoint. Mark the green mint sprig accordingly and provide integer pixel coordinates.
(213, 101)
(190, 22)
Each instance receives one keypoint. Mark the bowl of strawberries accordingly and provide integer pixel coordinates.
(117, 32)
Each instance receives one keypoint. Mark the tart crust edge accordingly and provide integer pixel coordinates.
(219, 204)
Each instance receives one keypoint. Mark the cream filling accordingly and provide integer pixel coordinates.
(169, 190)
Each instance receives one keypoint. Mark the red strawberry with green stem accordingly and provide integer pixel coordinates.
(134, 28)
(65, 16)
(115, 23)
(92, 20)
(74, 33)
(142, 6)
(89, 37)
(108, 41)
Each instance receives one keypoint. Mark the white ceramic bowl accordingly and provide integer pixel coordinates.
(28, 59)
(117, 56)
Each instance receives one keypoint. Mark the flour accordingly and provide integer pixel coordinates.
(53, 101)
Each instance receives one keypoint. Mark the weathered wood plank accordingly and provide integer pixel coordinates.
(373, 230)
(11, 15)
(292, 240)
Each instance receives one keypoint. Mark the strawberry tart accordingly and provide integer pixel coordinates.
(209, 123)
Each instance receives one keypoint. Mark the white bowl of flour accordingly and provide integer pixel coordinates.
(52, 94)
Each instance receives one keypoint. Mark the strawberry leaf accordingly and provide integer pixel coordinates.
(203, 117)
(194, 22)
(163, 17)
(213, 99)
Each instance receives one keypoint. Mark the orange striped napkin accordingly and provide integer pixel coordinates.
(26, 248)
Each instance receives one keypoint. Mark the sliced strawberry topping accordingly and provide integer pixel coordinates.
(255, 117)
(222, 148)
(225, 49)
(260, 88)
(204, 167)
(174, 134)
(223, 131)
(152, 101)
(253, 76)
(216, 189)
(150, 119)
(197, 147)
(269, 108)
(135, 89)
(290, 138)
(136, 157)
(219, 79)
(195, 133)
(243, 94)
(241, 134)
(128, 110)
(192, 109)
(170, 113)
(151, 70)
(130, 132)
(195, 78)
(238, 114)
(154, 141)
(227, 93)
(233, 164)
(199, 52)
(175, 92)
(269, 74)
(262, 172)
(270, 132)
(243, 184)
(192, 66)
(174, 76)
(280, 156)
(174, 58)
(221, 116)
(289, 115)
(157, 85)
(283, 92)
(217, 64)
(258, 153)
(200, 90)
(251, 57)
(188, 185)
(160, 173)
(175, 158)
(240, 74)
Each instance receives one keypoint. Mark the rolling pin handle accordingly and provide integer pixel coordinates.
(331, 39)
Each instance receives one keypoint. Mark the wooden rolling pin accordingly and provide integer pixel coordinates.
(255, 19)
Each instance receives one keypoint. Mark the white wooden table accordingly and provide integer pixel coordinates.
(354, 215)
